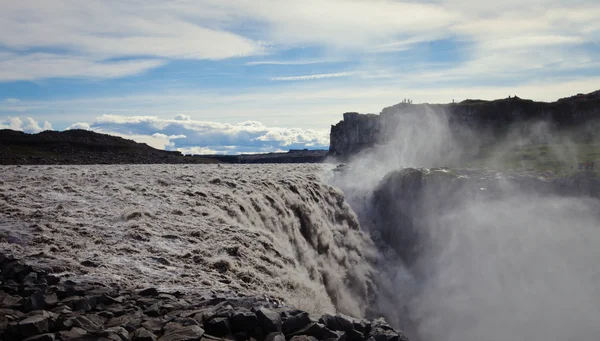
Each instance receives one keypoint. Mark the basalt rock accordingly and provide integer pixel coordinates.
(87, 311)
(490, 119)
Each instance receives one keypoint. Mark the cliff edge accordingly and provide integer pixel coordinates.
(491, 119)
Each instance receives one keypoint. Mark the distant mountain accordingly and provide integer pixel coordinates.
(82, 147)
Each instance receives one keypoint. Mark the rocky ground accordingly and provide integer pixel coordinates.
(37, 305)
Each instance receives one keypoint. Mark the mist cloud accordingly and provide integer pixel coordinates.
(498, 257)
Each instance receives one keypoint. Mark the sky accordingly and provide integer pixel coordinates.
(240, 76)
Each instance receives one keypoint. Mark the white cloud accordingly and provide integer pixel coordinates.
(28, 125)
(120, 28)
(291, 62)
(345, 23)
(15, 67)
(312, 77)
(182, 117)
(86, 36)
(199, 151)
(80, 125)
(192, 136)
(149, 33)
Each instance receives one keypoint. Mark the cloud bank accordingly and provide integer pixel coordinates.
(74, 39)
(312, 77)
(27, 125)
(199, 137)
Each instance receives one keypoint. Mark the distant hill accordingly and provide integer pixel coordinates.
(82, 147)
(292, 156)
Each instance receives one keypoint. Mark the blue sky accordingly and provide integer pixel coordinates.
(256, 76)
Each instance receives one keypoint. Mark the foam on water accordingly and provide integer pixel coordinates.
(257, 229)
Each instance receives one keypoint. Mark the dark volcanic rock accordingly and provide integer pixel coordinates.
(218, 326)
(277, 336)
(244, 322)
(317, 330)
(269, 320)
(303, 338)
(189, 333)
(42, 337)
(338, 322)
(381, 331)
(296, 322)
(357, 132)
(33, 325)
(142, 334)
(149, 292)
(34, 302)
(95, 312)
(73, 334)
(11, 302)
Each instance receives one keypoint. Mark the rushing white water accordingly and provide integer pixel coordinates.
(255, 229)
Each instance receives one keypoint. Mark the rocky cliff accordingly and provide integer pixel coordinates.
(488, 118)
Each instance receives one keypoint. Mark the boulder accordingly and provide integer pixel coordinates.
(345, 323)
(148, 292)
(189, 333)
(3, 323)
(276, 336)
(330, 322)
(34, 325)
(152, 311)
(295, 322)
(50, 300)
(317, 330)
(303, 338)
(12, 302)
(16, 270)
(34, 302)
(83, 323)
(143, 334)
(42, 337)
(52, 280)
(118, 331)
(269, 320)
(243, 322)
(218, 326)
(381, 331)
(133, 319)
(153, 325)
(73, 334)
(354, 335)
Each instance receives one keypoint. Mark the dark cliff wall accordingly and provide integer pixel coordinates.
(356, 131)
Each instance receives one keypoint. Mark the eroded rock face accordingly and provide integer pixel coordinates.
(407, 202)
(489, 119)
(110, 313)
